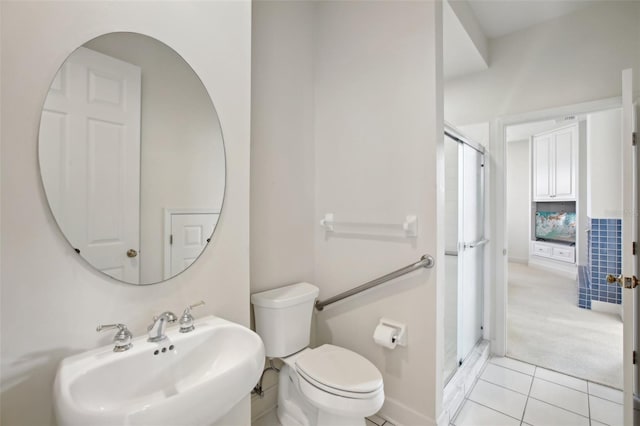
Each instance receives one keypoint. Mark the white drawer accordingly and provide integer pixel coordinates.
(542, 250)
(564, 254)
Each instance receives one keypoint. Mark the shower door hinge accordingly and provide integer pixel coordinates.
(170, 238)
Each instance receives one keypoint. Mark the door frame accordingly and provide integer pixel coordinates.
(498, 251)
(166, 234)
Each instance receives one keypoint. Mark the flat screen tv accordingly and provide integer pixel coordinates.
(556, 226)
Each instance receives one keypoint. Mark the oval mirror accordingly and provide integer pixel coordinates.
(132, 158)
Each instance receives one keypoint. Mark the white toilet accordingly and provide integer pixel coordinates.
(325, 386)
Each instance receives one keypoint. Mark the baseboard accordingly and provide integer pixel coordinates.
(609, 308)
(520, 260)
(400, 415)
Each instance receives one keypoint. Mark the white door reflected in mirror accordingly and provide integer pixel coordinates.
(128, 132)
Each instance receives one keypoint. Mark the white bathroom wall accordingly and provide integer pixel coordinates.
(345, 119)
(572, 59)
(282, 154)
(518, 204)
(477, 132)
(604, 179)
(51, 299)
(179, 127)
(379, 157)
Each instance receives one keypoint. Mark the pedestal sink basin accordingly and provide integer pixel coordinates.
(194, 378)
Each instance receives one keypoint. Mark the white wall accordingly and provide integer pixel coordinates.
(51, 299)
(282, 154)
(477, 132)
(379, 156)
(518, 201)
(282, 151)
(572, 59)
(346, 118)
(182, 155)
(604, 155)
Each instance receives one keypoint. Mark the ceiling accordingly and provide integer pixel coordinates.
(499, 18)
(469, 26)
(461, 55)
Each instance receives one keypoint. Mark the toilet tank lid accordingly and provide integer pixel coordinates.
(283, 297)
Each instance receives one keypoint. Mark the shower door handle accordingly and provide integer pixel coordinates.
(475, 244)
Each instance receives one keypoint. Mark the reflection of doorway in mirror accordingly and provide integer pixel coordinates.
(187, 232)
(92, 112)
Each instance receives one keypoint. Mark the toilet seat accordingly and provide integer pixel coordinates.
(340, 372)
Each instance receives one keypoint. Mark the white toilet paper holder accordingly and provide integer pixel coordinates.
(400, 337)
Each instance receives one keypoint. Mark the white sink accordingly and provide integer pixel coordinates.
(208, 371)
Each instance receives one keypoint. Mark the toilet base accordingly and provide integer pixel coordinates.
(295, 410)
(329, 419)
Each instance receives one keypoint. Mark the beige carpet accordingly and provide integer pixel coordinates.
(546, 328)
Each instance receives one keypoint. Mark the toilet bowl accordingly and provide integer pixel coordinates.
(328, 385)
(324, 386)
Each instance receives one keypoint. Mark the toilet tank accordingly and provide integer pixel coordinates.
(283, 318)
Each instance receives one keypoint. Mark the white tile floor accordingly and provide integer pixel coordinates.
(511, 392)
(377, 421)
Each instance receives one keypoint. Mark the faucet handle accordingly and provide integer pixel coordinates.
(186, 320)
(122, 338)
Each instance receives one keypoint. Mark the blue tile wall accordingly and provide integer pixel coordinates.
(605, 257)
(584, 287)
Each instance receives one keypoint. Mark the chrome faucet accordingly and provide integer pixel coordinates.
(156, 330)
(122, 339)
(186, 320)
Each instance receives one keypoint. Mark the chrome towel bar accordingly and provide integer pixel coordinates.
(425, 261)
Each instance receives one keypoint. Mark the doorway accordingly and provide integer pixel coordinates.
(563, 239)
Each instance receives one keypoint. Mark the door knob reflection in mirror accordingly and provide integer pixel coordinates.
(132, 253)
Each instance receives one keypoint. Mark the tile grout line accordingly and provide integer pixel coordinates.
(503, 387)
(528, 395)
(492, 409)
(513, 369)
(560, 384)
(562, 408)
(589, 401)
(598, 396)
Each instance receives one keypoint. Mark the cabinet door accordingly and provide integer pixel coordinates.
(542, 170)
(564, 167)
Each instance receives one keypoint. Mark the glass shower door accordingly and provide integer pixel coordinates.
(451, 151)
(471, 253)
(464, 252)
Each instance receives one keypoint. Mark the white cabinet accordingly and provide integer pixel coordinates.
(554, 157)
(560, 252)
